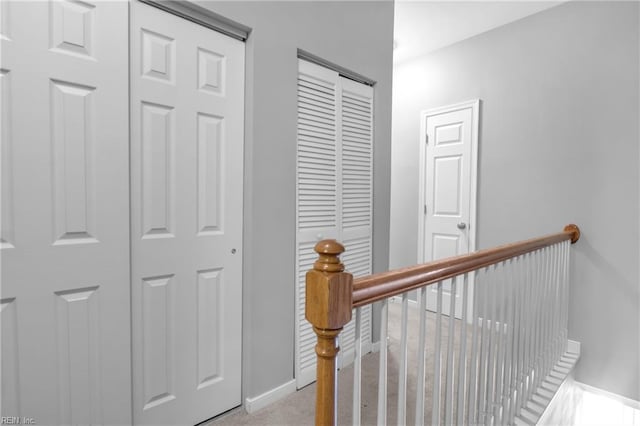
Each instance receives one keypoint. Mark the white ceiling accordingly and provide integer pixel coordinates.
(422, 26)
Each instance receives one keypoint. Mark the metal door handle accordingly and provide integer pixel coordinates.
(462, 225)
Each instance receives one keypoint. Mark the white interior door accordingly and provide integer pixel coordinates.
(64, 300)
(449, 173)
(187, 121)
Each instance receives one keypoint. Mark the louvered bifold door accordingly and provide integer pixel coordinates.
(356, 188)
(317, 210)
(334, 193)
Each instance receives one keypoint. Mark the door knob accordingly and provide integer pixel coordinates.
(462, 225)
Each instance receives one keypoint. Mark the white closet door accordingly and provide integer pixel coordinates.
(356, 136)
(317, 210)
(334, 183)
(64, 301)
(187, 104)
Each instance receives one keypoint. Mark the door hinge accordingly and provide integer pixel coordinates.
(426, 138)
(425, 209)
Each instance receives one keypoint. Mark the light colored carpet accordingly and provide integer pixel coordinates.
(298, 408)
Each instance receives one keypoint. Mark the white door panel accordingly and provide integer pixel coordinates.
(356, 201)
(187, 103)
(64, 301)
(448, 191)
(317, 194)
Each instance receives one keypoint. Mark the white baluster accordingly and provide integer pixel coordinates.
(548, 314)
(382, 371)
(501, 299)
(542, 320)
(532, 341)
(494, 335)
(556, 305)
(402, 372)
(420, 379)
(551, 304)
(435, 413)
(538, 318)
(449, 376)
(474, 367)
(526, 338)
(518, 338)
(563, 298)
(357, 370)
(560, 303)
(565, 305)
(531, 351)
(484, 347)
(463, 383)
(530, 347)
(509, 346)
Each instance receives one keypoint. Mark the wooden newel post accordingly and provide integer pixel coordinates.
(329, 296)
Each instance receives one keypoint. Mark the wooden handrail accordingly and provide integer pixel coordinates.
(380, 286)
(331, 294)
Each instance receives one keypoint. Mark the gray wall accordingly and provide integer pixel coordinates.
(559, 143)
(357, 36)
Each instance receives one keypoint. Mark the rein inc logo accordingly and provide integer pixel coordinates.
(15, 420)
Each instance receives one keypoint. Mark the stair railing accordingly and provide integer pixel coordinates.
(512, 350)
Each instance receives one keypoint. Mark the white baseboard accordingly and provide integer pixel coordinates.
(614, 396)
(269, 397)
(573, 347)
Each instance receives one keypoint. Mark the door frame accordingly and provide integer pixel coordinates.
(474, 104)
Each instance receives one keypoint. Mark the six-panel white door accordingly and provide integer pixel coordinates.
(447, 228)
(64, 297)
(187, 112)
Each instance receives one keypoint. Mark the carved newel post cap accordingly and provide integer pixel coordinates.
(328, 261)
(329, 293)
(574, 230)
